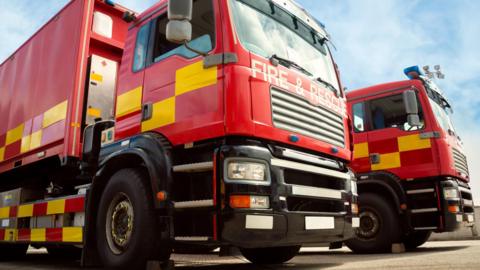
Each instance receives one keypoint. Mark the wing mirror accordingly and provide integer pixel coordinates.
(179, 27)
(411, 107)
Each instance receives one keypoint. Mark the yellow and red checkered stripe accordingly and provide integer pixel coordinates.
(34, 133)
(179, 104)
(394, 152)
(46, 208)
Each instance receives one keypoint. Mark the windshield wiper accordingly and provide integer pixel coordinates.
(328, 85)
(275, 59)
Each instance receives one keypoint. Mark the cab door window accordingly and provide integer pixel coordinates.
(359, 117)
(389, 112)
(203, 34)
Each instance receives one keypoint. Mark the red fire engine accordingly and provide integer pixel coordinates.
(411, 169)
(199, 123)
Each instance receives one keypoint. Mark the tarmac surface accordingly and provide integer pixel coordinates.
(433, 255)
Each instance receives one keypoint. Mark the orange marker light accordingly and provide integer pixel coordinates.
(161, 196)
(453, 209)
(354, 208)
(240, 201)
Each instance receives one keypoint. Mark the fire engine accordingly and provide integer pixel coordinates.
(196, 124)
(412, 172)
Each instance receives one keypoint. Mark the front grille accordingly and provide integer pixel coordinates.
(301, 204)
(295, 177)
(460, 161)
(295, 114)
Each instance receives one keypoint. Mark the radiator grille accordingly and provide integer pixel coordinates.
(297, 115)
(460, 161)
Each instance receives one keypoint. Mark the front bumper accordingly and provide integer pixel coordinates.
(453, 220)
(308, 203)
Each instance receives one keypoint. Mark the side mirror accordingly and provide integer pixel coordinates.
(411, 107)
(179, 28)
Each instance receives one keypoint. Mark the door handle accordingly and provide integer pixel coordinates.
(147, 111)
(375, 158)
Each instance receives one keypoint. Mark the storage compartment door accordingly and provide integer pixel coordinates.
(101, 89)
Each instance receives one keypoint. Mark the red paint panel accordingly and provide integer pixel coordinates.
(2, 234)
(13, 211)
(383, 146)
(24, 235)
(416, 157)
(13, 149)
(196, 104)
(40, 209)
(75, 205)
(53, 132)
(54, 235)
(361, 165)
(3, 138)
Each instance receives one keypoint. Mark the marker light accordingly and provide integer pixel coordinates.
(451, 193)
(412, 72)
(247, 201)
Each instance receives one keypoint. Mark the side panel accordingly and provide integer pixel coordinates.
(38, 82)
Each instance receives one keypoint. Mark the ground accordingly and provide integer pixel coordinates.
(433, 255)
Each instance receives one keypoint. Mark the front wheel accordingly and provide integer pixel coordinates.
(416, 239)
(273, 255)
(379, 226)
(127, 230)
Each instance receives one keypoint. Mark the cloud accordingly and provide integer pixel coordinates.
(376, 39)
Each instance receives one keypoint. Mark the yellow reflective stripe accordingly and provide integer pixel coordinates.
(56, 207)
(38, 235)
(413, 142)
(194, 77)
(36, 139)
(25, 147)
(163, 114)
(388, 161)
(4, 212)
(129, 102)
(96, 77)
(25, 211)
(72, 234)
(15, 134)
(2, 153)
(360, 150)
(55, 114)
(10, 235)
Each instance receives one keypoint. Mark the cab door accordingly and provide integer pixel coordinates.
(393, 145)
(182, 98)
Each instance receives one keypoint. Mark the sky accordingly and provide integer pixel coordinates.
(374, 39)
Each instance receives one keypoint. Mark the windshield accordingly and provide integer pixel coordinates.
(442, 116)
(281, 34)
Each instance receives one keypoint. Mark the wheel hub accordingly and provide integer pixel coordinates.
(369, 225)
(119, 223)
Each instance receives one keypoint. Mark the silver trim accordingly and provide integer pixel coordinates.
(308, 168)
(194, 204)
(424, 210)
(419, 191)
(309, 158)
(316, 192)
(194, 167)
(467, 202)
(425, 228)
(192, 238)
(466, 190)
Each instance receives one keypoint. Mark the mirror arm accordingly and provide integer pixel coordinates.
(204, 54)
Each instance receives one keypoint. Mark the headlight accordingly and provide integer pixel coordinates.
(451, 193)
(247, 171)
(353, 183)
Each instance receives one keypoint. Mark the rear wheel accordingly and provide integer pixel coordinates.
(127, 231)
(379, 226)
(11, 252)
(274, 255)
(416, 239)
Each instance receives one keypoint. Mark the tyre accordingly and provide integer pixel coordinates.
(12, 252)
(379, 226)
(274, 255)
(416, 239)
(126, 229)
(65, 252)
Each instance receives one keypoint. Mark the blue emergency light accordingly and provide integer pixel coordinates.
(412, 72)
(110, 2)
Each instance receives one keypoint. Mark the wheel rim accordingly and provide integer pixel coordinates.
(369, 225)
(119, 223)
